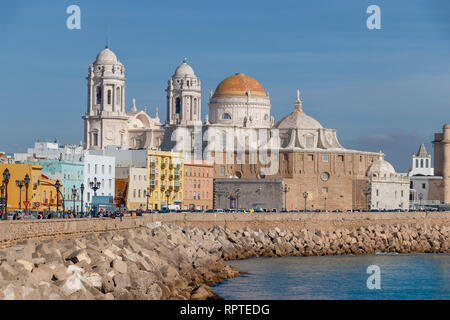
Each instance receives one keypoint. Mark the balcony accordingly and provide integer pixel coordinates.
(163, 175)
(163, 164)
(163, 186)
(171, 165)
(177, 185)
(171, 176)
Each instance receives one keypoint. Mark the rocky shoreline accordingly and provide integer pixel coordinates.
(173, 262)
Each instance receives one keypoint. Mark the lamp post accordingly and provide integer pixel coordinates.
(82, 202)
(95, 185)
(420, 200)
(74, 194)
(27, 183)
(2, 188)
(57, 186)
(6, 177)
(286, 190)
(305, 196)
(148, 196)
(167, 196)
(20, 184)
(237, 192)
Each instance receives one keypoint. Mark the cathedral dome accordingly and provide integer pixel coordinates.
(184, 70)
(106, 56)
(298, 119)
(238, 85)
(380, 168)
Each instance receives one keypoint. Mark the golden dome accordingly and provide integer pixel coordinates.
(239, 85)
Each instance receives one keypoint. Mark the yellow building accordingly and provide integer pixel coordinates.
(40, 192)
(165, 179)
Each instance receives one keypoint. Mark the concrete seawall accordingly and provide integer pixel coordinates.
(16, 231)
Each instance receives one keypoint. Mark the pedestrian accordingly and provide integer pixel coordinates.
(121, 216)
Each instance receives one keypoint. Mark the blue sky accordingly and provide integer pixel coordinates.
(382, 89)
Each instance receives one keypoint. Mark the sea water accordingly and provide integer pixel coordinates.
(401, 276)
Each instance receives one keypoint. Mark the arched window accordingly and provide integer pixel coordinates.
(195, 105)
(118, 95)
(266, 117)
(109, 96)
(178, 106)
(417, 163)
(426, 163)
(226, 116)
(99, 95)
(310, 141)
(421, 163)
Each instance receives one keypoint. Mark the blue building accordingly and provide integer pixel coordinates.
(71, 175)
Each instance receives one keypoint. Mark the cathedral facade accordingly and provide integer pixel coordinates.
(239, 135)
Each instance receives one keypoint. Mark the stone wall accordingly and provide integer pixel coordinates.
(14, 231)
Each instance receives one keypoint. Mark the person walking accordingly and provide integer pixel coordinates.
(121, 216)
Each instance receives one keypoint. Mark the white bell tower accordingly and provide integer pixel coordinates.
(184, 97)
(105, 121)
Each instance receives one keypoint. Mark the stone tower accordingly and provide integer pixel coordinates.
(184, 97)
(442, 162)
(105, 121)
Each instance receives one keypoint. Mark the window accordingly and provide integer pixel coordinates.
(424, 186)
(421, 163)
(340, 157)
(139, 193)
(325, 158)
(377, 192)
(110, 169)
(95, 139)
(109, 96)
(310, 141)
(118, 95)
(178, 106)
(99, 95)
(324, 190)
(402, 193)
(426, 163)
(134, 193)
(95, 169)
(222, 170)
(110, 183)
(325, 176)
(226, 116)
(417, 163)
(89, 168)
(310, 157)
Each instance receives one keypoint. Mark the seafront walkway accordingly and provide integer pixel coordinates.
(13, 231)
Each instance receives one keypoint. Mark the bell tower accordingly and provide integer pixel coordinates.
(184, 97)
(105, 121)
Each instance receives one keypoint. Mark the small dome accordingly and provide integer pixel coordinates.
(239, 85)
(298, 120)
(106, 56)
(184, 70)
(380, 167)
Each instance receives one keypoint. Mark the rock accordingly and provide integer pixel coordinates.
(8, 272)
(26, 264)
(122, 294)
(119, 266)
(203, 292)
(122, 280)
(78, 256)
(94, 280)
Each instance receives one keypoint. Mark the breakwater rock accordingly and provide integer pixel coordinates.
(172, 262)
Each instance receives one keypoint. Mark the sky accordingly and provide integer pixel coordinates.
(384, 89)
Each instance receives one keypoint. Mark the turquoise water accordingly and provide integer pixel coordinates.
(402, 276)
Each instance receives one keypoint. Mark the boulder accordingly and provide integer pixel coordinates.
(119, 266)
(122, 280)
(26, 264)
(78, 256)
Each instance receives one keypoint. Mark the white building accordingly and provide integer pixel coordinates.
(421, 163)
(125, 158)
(388, 190)
(50, 150)
(104, 169)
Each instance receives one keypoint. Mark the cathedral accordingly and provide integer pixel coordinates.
(316, 170)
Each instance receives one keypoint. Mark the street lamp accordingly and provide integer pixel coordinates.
(305, 196)
(57, 186)
(6, 177)
(27, 183)
(286, 190)
(420, 199)
(95, 185)
(20, 184)
(167, 196)
(82, 202)
(237, 192)
(74, 194)
(148, 196)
